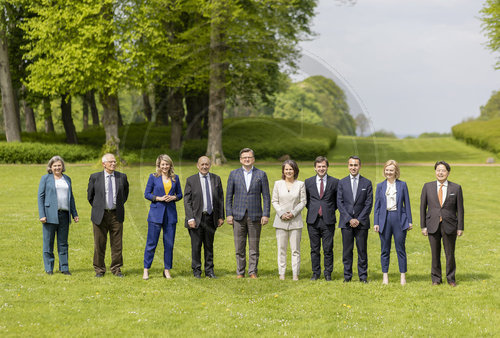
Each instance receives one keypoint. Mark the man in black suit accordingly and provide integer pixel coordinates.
(204, 207)
(442, 217)
(107, 193)
(354, 201)
(321, 193)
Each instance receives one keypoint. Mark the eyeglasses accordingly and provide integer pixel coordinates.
(246, 158)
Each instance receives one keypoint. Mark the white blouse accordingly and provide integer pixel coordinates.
(62, 189)
(390, 194)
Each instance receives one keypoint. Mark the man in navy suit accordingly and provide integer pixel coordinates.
(247, 211)
(354, 201)
(321, 193)
(107, 193)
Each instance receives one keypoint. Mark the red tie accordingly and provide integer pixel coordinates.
(321, 193)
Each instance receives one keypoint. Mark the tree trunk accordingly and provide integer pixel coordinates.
(85, 111)
(10, 115)
(90, 99)
(197, 109)
(176, 112)
(47, 115)
(161, 101)
(217, 90)
(109, 103)
(29, 115)
(120, 119)
(67, 119)
(148, 110)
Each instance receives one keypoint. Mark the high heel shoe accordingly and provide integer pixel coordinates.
(166, 274)
(145, 275)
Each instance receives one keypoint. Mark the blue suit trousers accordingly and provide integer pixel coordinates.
(393, 227)
(49, 232)
(154, 230)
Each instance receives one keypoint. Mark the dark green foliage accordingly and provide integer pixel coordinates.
(383, 133)
(492, 108)
(482, 134)
(434, 134)
(143, 142)
(41, 153)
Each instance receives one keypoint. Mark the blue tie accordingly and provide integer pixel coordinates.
(207, 192)
(110, 193)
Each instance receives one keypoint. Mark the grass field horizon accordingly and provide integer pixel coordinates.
(81, 305)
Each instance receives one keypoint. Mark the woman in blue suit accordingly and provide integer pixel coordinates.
(392, 216)
(56, 206)
(163, 190)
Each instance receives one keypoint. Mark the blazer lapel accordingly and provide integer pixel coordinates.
(252, 180)
(359, 188)
(398, 192)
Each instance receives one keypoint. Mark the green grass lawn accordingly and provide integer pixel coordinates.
(33, 303)
(379, 150)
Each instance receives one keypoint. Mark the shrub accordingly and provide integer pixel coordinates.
(482, 134)
(41, 153)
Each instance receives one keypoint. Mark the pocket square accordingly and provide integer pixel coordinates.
(452, 194)
(363, 189)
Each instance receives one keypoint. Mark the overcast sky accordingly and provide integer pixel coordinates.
(411, 66)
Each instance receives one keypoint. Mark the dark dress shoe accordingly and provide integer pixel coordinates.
(211, 275)
(364, 281)
(314, 277)
(198, 276)
(328, 278)
(67, 273)
(347, 280)
(99, 275)
(119, 274)
(453, 284)
(435, 283)
(49, 272)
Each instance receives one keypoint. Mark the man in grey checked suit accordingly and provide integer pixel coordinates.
(247, 211)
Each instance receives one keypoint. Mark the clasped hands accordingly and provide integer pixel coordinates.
(287, 216)
(166, 198)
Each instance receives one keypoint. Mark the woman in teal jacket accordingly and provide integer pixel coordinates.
(56, 206)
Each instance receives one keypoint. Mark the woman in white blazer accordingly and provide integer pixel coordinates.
(289, 198)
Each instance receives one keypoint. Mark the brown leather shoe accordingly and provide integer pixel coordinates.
(453, 284)
(253, 276)
(239, 276)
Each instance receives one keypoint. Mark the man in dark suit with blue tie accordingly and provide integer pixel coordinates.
(247, 211)
(354, 201)
(204, 207)
(321, 193)
(107, 193)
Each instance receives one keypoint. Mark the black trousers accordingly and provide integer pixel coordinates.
(321, 232)
(449, 241)
(203, 235)
(349, 235)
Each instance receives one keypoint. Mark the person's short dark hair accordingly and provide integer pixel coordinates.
(294, 166)
(246, 150)
(354, 157)
(53, 160)
(446, 165)
(320, 159)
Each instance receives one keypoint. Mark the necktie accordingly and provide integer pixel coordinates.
(321, 193)
(110, 193)
(354, 188)
(440, 194)
(207, 192)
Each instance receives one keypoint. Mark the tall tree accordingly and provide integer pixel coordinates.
(67, 119)
(491, 25)
(47, 115)
(76, 48)
(10, 111)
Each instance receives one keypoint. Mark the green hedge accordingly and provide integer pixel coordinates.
(269, 138)
(482, 134)
(41, 153)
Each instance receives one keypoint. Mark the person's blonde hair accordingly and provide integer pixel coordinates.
(395, 164)
(171, 171)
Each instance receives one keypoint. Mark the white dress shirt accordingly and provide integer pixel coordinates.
(445, 189)
(318, 183)
(390, 195)
(248, 177)
(204, 192)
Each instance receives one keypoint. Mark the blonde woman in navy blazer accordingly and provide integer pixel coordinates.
(392, 216)
(162, 212)
(56, 206)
